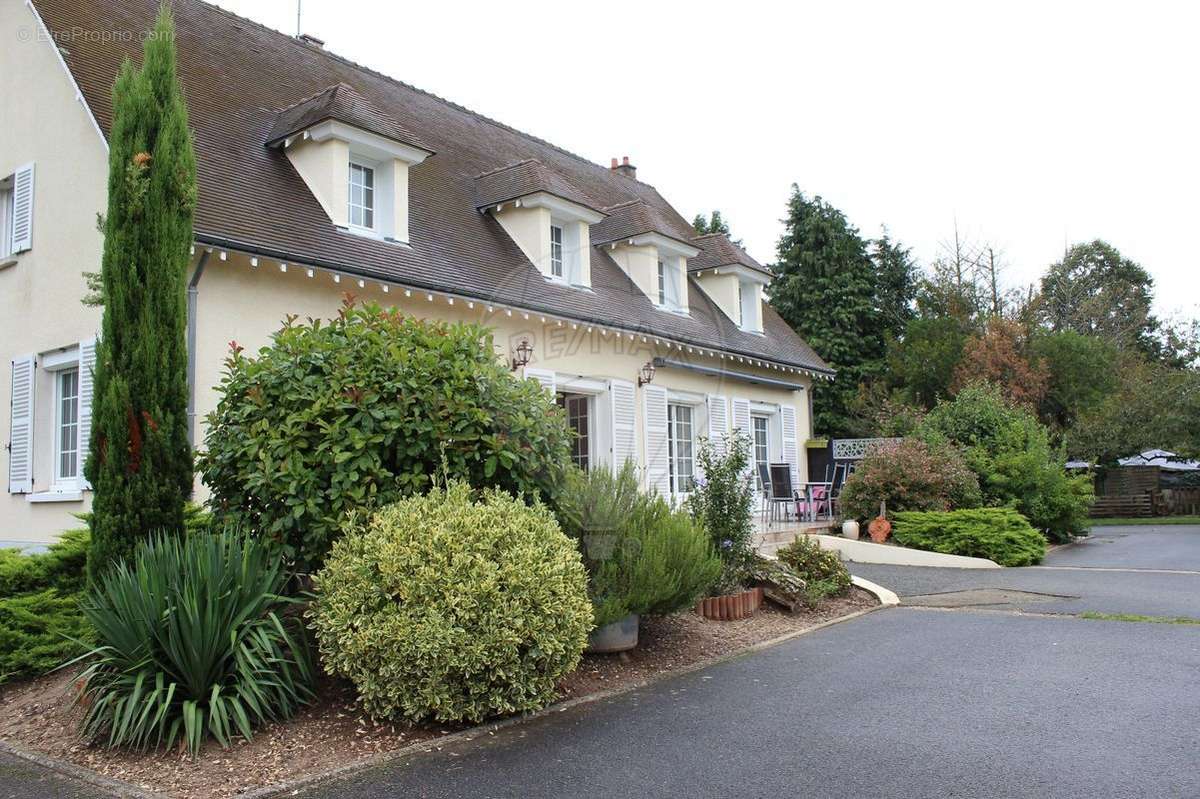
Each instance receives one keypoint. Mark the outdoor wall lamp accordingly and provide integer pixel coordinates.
(521, 354)
(646, 374)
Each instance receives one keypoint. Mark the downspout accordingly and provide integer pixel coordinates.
(193, 292)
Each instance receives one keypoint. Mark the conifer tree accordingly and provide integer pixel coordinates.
(826, 290)
(139, 459)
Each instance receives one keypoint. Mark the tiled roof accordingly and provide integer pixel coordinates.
(237, 75)
(717, 250)
(636, 217)
(522, 179)
(342, 103)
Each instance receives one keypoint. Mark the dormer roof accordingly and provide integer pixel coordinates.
(341, 103)
(525, 178)
(636, 218)
(716, 250)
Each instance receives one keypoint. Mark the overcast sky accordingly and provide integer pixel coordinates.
(1032, 124)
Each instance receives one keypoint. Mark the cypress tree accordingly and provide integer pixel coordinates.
(139, 459)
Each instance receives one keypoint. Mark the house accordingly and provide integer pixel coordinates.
(318, 177)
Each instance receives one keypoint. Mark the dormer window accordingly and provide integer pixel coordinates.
(670, 282)
(556, 250)
(662, 283)
(362, 196)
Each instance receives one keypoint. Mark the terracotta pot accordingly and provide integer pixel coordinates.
(879, 528)
(730, 607)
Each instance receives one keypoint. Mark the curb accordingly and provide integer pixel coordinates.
(292, 787)
(125, 790)
(886, 597)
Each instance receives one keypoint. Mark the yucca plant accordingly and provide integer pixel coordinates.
(191, 641)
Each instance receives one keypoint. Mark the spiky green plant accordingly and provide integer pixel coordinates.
(192, 640)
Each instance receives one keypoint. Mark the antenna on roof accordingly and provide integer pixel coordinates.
(298, 17)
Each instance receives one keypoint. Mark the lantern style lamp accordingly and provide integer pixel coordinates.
(646, 375)
(521, 354)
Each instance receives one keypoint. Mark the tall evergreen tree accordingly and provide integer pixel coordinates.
(826, 290)
(139, 459)
(714, 223)
(897, 278)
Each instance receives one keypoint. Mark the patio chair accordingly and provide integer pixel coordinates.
(780, 493)
(764, 478)
(821, 504)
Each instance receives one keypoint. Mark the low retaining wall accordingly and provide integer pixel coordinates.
(870, 552)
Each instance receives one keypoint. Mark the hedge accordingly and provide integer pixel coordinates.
(999, 534)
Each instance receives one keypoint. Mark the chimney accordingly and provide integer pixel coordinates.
(624, 168)
(308, 38)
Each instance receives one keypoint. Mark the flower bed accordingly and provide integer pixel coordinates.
(332, 732)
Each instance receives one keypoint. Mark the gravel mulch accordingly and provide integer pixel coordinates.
(39, 715)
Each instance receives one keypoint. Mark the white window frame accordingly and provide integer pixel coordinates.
(373, 208)
(662, 279)
(765, 419)
(6, 216)
(557, 258)
(589, 434)
(674, 459)
(65, 482)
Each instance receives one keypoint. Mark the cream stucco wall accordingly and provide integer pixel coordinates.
(40, 308)
(241, 303)
(723, 290)
(324, 167)
(640, 262)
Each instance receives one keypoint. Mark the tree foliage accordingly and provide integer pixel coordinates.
(1001, 355)
(1080, 374)
(896, 283)
(714, 223)
(921, 365)
(826, 290)
(140, 462)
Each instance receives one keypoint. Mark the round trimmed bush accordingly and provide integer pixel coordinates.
(449, 608)
(358, 412)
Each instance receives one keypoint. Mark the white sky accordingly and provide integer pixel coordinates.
(1033, 124)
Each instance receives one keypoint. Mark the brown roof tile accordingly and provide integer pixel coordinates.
(522, 179)
(717, 250)
(636, 217)
(342, 103)
(237, 75)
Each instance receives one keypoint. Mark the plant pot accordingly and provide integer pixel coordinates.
(730, 607)
(879, 528)
(850, 529)
(620, 636)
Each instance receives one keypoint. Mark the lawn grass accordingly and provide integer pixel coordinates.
(1145, 520)
(1091, 614)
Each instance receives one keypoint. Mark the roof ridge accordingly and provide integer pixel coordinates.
(711, 235)
(397, 81)
(626, 203)
(510, 166)
(313, 96)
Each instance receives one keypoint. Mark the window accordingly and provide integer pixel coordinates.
(680, 445)
(741, 307)
(362, 196)
(761, 448)
(66, 426)
(662, 284)
(577, 407)
(556, 250)
(6, 218)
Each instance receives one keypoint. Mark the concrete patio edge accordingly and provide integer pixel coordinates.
(887, 598)
(870, 552)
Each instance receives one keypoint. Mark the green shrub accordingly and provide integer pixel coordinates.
(909, 475)
(641, 555)
(442, 607)
(1010, 452)
(721, 504)
(999, 534)
(358, 412)
(41, 625)
(191, 641)
(39, 631)
(821, 569)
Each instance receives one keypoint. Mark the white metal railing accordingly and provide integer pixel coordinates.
(853, 449)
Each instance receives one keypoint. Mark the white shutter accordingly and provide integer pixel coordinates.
(543, 376)
(22, 220)
(787, 418)
(87, 366)
(718, 422)
(624, 432)
(20, 438)
(654, 420)
(741, 421)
